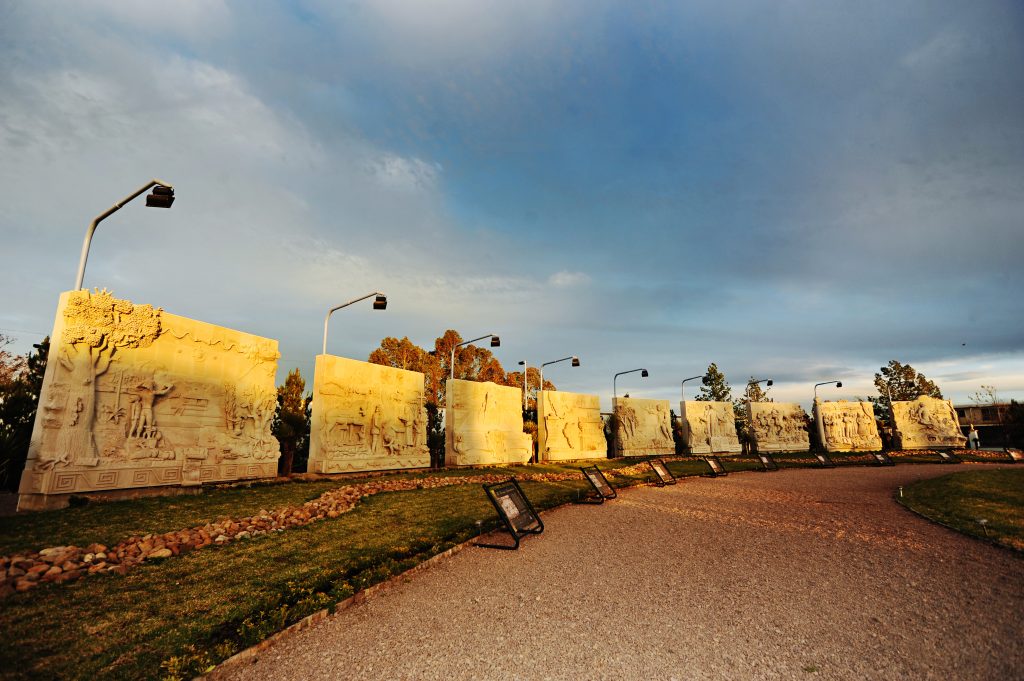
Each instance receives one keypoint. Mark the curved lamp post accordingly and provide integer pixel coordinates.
(682, 388)
(643, 374)
(379, 303)
(526, 378)
(575, 363)
(839, 384)
(162, 197)
(767, 381)
(495, 342)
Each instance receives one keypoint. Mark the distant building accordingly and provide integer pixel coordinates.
(991, 420)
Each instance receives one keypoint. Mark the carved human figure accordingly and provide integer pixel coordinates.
(377, 431)
(145, 423)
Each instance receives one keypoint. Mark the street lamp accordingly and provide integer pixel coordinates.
(839, 384)
(379, 303)
(643, 374)
(162, 197)
(767, 381)
(495, 342)
(575, 363)
(682, 387)
(526, 378)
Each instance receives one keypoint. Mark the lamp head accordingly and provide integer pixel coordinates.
(839, 384)
(161, 197)
(643, 373)
(704, 379)
(575, 361)
(522, 363)
(495, 342)
(380, 302)
(770, 383)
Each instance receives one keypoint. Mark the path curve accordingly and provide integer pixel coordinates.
(797, 574)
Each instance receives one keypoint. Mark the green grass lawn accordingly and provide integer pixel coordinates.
(962, 499)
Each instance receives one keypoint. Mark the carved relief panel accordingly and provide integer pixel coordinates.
(570, 427)
(847, 426)
(484, 424)
(778, 426)
(927, 422)
(136, 397)
(709, 427)
(366, 417)
(644, 427)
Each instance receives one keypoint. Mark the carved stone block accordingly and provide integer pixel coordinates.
(366, 417)
(135, 397)
(484, 424)
(847, 426)
(778, 426)
(927, 422)
(644, 427)
(709, 427)
(570, 427)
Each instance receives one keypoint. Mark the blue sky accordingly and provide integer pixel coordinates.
(801, 190)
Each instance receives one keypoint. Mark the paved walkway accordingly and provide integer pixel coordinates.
(801, 574)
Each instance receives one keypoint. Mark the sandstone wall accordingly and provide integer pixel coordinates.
(366, 417)
(484, 424)
(644, 427)
(570, 426)
(847, 426)
(927, 422)
(778, 426)
(135, 397)
(709, 427)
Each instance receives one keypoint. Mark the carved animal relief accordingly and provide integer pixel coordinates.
(709, 427)
(366, 417)
(137, 397)
(644, 427)
(847, 426)
(778, 426)
(927, 422)
(571, 427)
(484, 424)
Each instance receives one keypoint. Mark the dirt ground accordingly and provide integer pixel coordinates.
(800, 574)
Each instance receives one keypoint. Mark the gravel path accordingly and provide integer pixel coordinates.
(801, 574)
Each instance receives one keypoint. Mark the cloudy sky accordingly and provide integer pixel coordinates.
(799, 190)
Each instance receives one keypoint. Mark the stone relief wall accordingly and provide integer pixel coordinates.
(847, 426)
(136, 397)
(484, 424)
(366, 417)
(570, 427)
(709, 427)
(644, 427)
(927, 422)
(778, 426)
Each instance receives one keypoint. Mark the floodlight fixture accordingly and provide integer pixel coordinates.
(838, 384)
(575, 362)
(643, 374)
(495, 342)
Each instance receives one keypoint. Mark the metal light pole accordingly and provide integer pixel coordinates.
(575, 363)
(767, 381)
(379, 303)
(162, 197)
(526, 378)
(682, 388)
(839, 384)
(615, 394)
(495, 342)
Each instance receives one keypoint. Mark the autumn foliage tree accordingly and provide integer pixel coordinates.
(901, 382)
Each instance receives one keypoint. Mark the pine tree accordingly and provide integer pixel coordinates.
(715, 388)
(291, 421)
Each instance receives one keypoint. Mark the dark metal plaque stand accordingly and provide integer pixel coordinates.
(767, 462)
(716, 469)
(949, 457)
(665, 476)
(824, 460)
(1014, 455)
(882, 459)
(600, 484)
(515, 511)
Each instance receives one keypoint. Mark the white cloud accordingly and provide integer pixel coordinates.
(566, 279)
(405, 174)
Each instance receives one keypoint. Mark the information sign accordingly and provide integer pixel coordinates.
(824, 460)
(600, 484)
(716, 468)
(515, 512)
(1016, 455)
(665, 476)
(767, 461)
(949, 457)
(882, 459)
